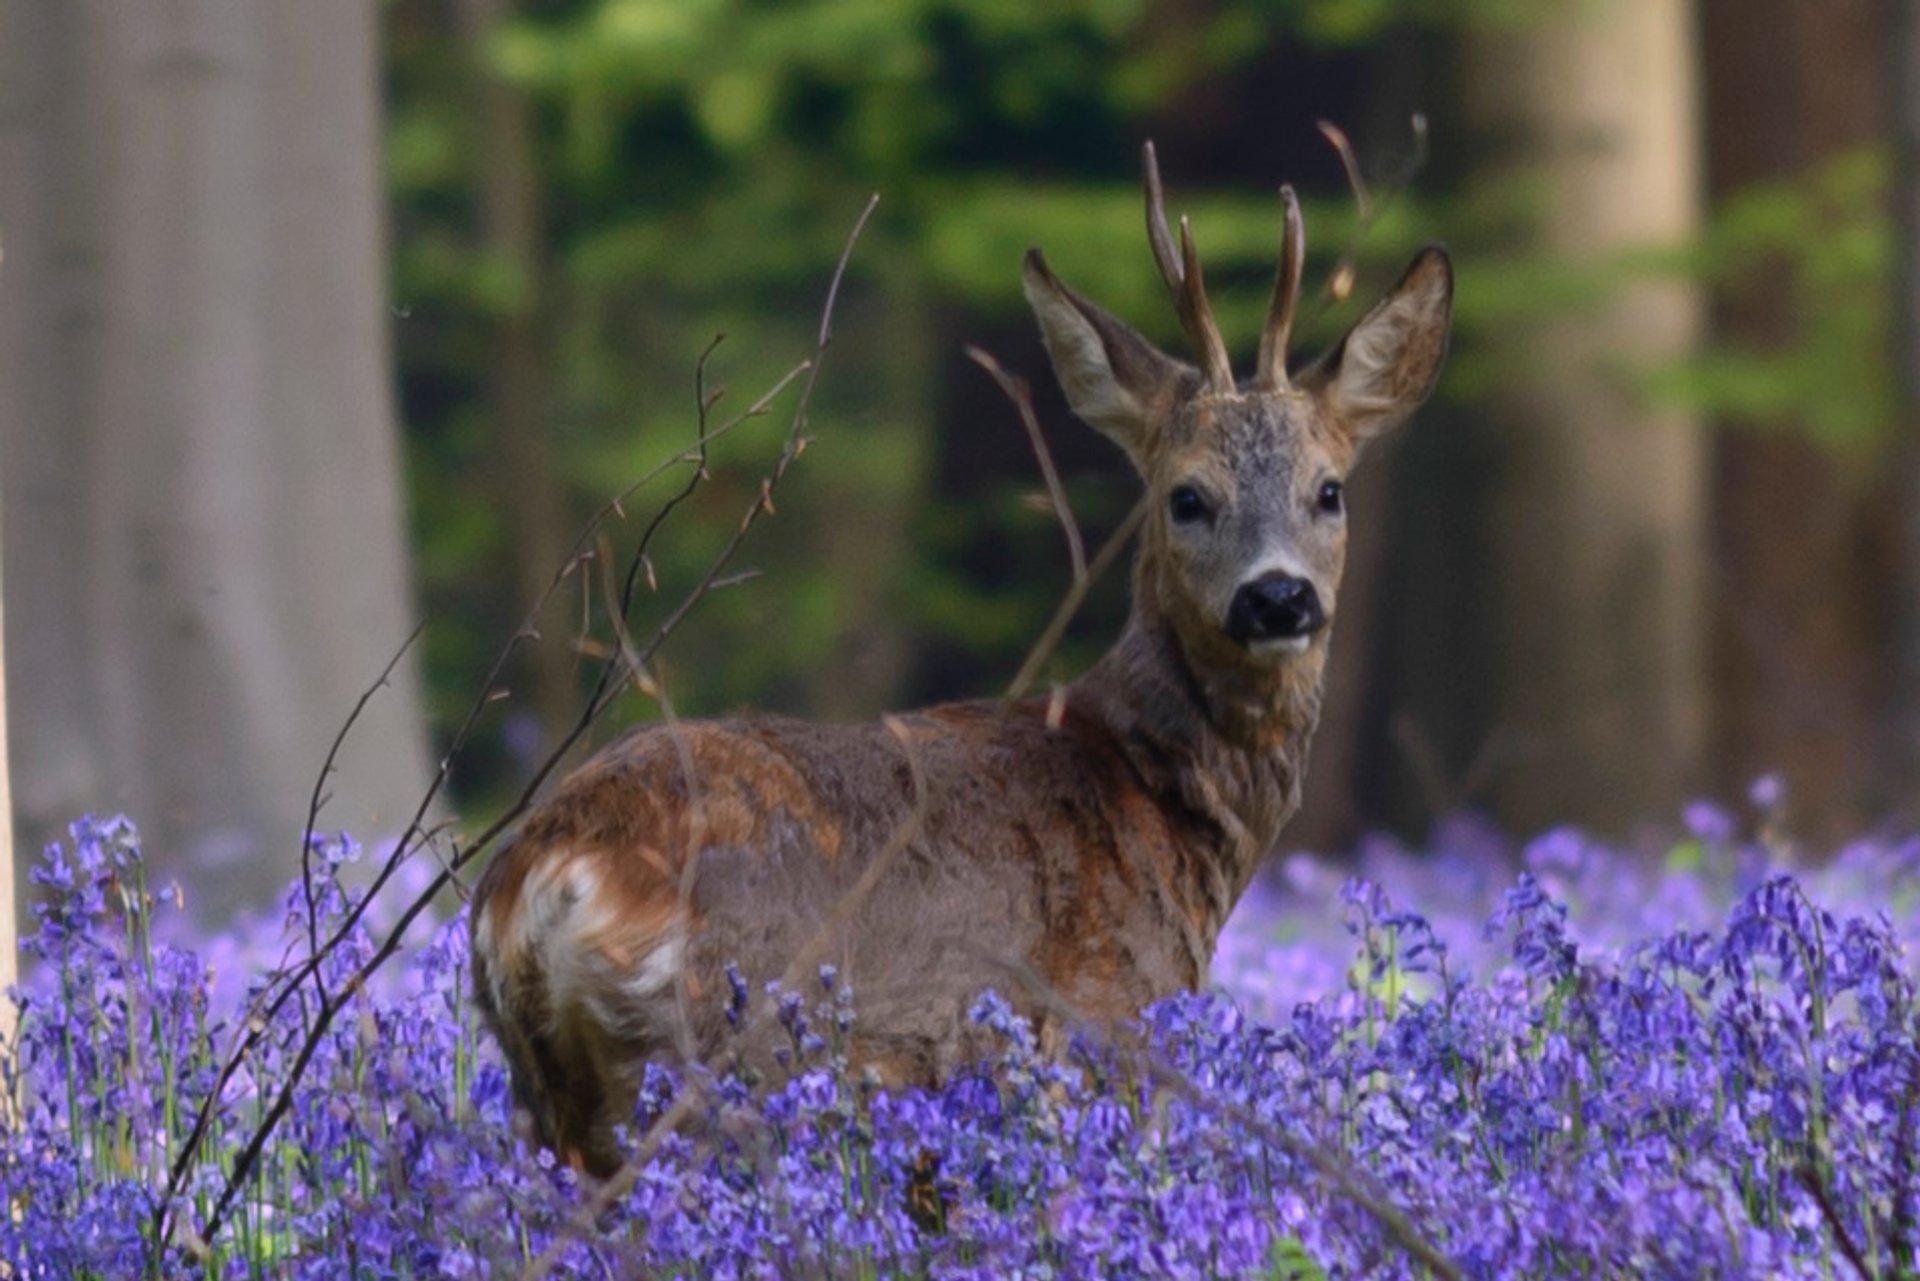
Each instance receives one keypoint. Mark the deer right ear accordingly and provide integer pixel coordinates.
(1114, 379)
(1387, 364)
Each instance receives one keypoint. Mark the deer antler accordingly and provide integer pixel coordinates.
(1181, 271)
(1272, 373)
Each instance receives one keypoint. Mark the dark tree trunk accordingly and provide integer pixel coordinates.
(1904, 62)
(1804, 598)
(520, 398)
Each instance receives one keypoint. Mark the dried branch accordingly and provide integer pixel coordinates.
(612, 677)
(631, 661)
(1901, 1233)
(320, 795)
(805, 960)
(1814, 1181)
(1070, 603)
(694, 1091)
(1346, 1179)
(1018, 391)
(1368, 208)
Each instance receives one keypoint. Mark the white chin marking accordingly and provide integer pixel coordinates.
(1279, 647)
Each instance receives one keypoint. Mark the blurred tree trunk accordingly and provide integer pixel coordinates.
(1598, 509)
(519, 390)
(205, 534)
(1803, 590)
(9, 873)
(1905, 74)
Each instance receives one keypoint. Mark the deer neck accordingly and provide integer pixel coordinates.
(1221, 742)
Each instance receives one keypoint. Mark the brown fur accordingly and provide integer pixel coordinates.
(1096, 853)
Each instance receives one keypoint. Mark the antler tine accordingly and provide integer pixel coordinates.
(1181, 270)
(1201, 329)
(1272, 374)
(1158, 234)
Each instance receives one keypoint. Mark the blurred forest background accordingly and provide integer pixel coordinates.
(318, 320)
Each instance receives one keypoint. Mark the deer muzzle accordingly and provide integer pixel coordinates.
(1275, 607)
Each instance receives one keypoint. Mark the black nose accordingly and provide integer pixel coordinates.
(1277, 607)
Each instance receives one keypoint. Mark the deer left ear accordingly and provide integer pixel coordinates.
(1387, 364)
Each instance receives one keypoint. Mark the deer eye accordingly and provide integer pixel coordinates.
(1186, 505)
(1330, 497)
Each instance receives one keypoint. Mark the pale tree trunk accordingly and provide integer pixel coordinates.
(9, 913)
(519, 393)
(1599, 505)
(205, 528)
(1803, 582)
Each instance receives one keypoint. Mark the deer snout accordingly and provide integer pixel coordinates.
(1275, 607)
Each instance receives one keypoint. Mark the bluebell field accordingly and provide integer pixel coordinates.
(1580, 1062)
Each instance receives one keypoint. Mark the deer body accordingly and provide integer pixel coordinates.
(1089, 848)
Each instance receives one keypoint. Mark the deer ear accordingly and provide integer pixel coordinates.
(1114, 379)
(1388, 363)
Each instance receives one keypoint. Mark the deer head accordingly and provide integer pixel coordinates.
(1246, 533)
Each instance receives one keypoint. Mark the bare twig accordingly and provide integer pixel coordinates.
(1901, 1234)
(274, 1000)
(1367, 208)
(1814, 1181)
(319, 797)
(612, 678)
(805, 960)
(1346, 1179)
(1070, 603)
(1017, 390)
(1349, 162)
(284, 982)
(632, 661)
(925, 789)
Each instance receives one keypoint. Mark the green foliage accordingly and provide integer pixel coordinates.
(1815, 252)
(1290, 1261)
(695, 167)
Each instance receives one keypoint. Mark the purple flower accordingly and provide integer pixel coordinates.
(1642, 1067)
(1708, 822)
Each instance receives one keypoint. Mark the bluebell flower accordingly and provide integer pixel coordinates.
(1595, 1084)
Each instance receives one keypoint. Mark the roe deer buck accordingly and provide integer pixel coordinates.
(1096, 845)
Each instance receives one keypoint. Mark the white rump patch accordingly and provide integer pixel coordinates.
(658, 969)
(565, 916)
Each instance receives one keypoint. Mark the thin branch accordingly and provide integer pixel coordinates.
(1350, 163)
(1346, 1179)
(1017, 390)
(1901, 1234)
(805, 960)
(1368, 208)
(1070, 603)
(319, 796)
(612, 677)
(285, 981)
(1815, 1183)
